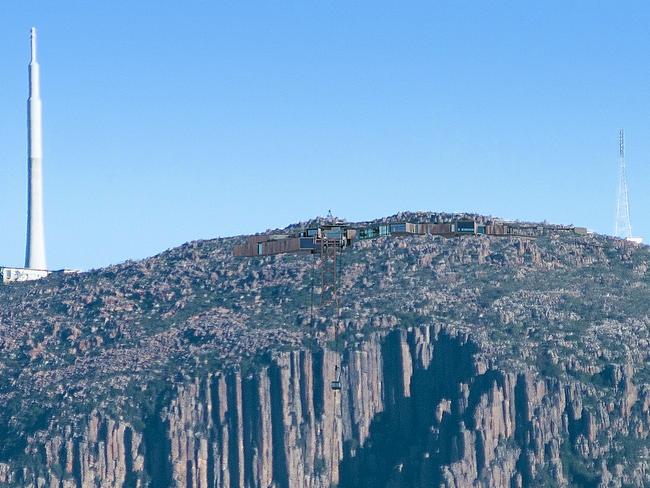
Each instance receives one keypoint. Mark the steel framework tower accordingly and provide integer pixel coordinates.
(622, 227)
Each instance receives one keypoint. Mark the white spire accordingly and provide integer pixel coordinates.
(32, 37)
(35, 252)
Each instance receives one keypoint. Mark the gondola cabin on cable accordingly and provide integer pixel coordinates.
(335, 385)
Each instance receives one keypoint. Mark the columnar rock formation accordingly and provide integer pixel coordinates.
(418, 407)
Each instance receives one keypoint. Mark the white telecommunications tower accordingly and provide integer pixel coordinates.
(35, 255)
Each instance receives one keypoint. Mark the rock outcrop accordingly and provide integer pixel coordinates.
(196, 369)
(418, 407)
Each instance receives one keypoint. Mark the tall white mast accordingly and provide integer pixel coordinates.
(35, 254)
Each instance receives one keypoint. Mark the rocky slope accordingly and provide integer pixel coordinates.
(479, 361)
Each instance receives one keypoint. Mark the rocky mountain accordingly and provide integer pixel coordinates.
(474, 361)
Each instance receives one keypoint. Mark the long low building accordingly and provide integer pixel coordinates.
(312, 240)
(10, 275)
(14, 275)
(309, 240)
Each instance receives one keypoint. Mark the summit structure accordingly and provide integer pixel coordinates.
(35, 263)
(622, 226)
(35, 253)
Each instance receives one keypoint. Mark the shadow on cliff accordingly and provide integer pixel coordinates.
(156, 447)
(408, 443)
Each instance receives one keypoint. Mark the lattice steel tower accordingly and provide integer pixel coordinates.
(622, 227)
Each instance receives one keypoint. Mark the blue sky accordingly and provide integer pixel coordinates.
(171, 121)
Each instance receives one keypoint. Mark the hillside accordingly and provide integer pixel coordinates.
(511, 361)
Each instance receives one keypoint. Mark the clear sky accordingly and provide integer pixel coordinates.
(168, 121)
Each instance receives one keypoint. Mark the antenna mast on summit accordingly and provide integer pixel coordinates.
(35, 251)
(622, 227)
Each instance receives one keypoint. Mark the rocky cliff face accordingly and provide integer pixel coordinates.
(196, 369)
(417, 407)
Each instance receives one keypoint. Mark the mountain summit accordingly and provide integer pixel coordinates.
(464, 361)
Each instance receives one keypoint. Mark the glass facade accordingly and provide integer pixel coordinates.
(465, 227)
(307, 243)
(367, 233)
(334, 233)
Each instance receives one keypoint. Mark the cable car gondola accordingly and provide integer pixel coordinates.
(336, 384)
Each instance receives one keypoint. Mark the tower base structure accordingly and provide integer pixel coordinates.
(9, 275)
(16, 275)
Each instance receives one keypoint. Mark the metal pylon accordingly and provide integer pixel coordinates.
(329, 272)
(622, 227)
